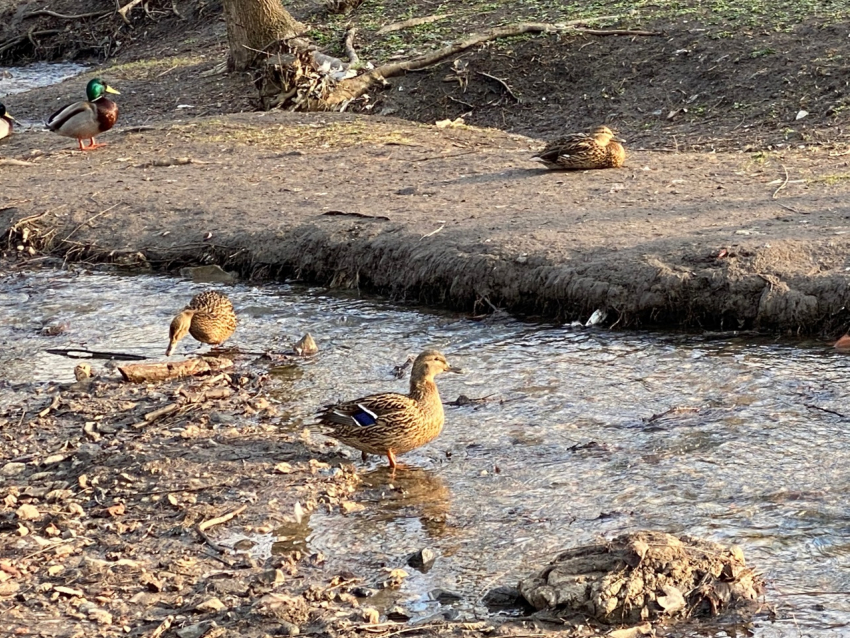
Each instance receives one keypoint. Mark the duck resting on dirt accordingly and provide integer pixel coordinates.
(6, 122)
(600, 149)
(84, 120)
(390, 423)
(209, 318)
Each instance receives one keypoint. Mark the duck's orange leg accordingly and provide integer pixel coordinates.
(91, 145)
(391, 459)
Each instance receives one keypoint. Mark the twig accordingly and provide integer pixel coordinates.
(62, 16)
(73, 353)
(827, 410)
(604, 32)
(793, 210)
(172, 161)
(221, 519)
(15, 162)
(433, 157)
(500, 81)
(353, 58)
(164, 626)
(783, 184)
(673, 410)
(88, 221)
(433, 232)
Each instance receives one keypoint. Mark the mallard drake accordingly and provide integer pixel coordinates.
(209, 318)
(390, 423)
(6, 121)
(600, 149)
(84, 120)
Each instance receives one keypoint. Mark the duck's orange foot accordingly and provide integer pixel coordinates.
(92, 145)
(843, 343)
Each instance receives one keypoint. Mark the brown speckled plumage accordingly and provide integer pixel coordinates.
(209, 318)
(390, 423)
(581, 152)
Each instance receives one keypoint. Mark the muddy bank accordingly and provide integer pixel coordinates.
(456, 217)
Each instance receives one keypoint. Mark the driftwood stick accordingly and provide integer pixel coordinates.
(350, 51)
(205, 525)
(152, 372)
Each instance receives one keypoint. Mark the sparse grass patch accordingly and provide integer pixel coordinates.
(152, 68)
(830, 179)
(333, 135)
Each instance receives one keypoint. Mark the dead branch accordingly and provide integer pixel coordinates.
(29, 35)
(353, 88)
(153, 372)
(412, 22)
(123, 11)
(172, 161)
(353, 58)
(205, 525)
(62, 16)
(77, 353)
(500, 81)
(14, 162)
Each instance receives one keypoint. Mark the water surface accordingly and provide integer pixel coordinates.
(568, 455)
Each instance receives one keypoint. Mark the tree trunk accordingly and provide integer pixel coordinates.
(254, 24)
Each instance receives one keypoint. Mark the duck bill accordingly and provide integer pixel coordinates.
(619, 139)
(455, 369)
(9, 117)
(109, 89)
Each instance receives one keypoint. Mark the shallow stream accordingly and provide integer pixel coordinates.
(569, 455)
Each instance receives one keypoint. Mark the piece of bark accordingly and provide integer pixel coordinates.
(152, 372)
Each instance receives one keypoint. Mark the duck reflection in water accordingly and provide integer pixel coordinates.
(414, 493)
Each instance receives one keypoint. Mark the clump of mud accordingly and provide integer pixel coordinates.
(642, 576)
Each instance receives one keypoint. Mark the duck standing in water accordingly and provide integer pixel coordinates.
(209, 318)
(84, 120)
(390, 423)
(6, 122)
(600, 149)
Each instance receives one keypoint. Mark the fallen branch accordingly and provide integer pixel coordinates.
(355, 87)
(14, 162)
(154, 372)
(412, 22)
(673, 410)
(501, 82)
(171, 161)
(123, 11)
(73, 353)
(353, 58)
(62, 16)
(29, 35)
(205, 525)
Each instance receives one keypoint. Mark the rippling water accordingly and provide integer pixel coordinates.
(17, 79)
(569, 453)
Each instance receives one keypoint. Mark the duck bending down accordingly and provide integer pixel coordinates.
(6, 121)
(600, 149)
(209, 318)
(390, 424)
(84, 120)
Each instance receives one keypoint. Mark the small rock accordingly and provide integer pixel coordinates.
(100, 616)
(210, 605)
(9, 588)
(364, 592)
(422, 560)
(27, 512)
(13, 469)
(305, 346)
(88, 451)
(82, 372)
(55, 458)
(271, 577)
(503, 597)
(195, 631)
(286, 628)
(220, 417)
(68, 591)
(398, 614)
(283, 468)
(444, 597)
(371, 615)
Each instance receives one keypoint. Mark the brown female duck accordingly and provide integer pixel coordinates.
(600, 149)
(390, 424)
(209, 318)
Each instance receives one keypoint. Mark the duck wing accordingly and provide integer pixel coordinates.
(79, 115)
(367, 411)
(569, 146)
